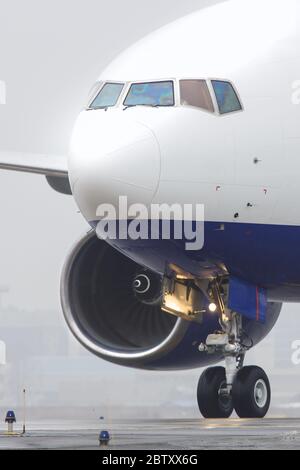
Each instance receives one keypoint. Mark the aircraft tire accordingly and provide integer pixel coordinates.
(211, 403)
(251, 393)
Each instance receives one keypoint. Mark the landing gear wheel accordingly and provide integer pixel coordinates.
(212, 402)
(251, 392)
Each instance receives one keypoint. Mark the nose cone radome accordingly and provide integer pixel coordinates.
(110, 156)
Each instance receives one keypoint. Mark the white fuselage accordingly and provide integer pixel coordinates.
(243, 166)
(225, 162)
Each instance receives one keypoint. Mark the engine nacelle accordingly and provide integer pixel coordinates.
(111, 312)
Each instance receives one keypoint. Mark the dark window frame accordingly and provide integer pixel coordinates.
(148, 83)
(238, 98)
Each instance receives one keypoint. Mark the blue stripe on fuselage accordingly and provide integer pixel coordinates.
(265, 255)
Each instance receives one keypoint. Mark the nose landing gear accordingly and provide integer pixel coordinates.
(221, 390)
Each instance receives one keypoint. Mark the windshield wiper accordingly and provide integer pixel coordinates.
(135, 105)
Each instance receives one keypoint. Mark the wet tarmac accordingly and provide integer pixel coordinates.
(163, 435)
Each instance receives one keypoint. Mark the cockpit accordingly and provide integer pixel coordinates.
(218, 97)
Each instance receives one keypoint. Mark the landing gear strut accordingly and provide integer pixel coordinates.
(221, 390)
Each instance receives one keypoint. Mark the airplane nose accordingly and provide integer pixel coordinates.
(112, 155)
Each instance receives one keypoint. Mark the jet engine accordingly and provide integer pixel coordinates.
(116, 309)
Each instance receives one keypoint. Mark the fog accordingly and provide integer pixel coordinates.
(51, 53)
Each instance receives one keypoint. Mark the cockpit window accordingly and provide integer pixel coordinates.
(227, 98)
(196, 93)
(151, 94)
(108, 96)
(94, 91)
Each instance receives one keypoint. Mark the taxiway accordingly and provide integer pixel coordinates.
(165, 434)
